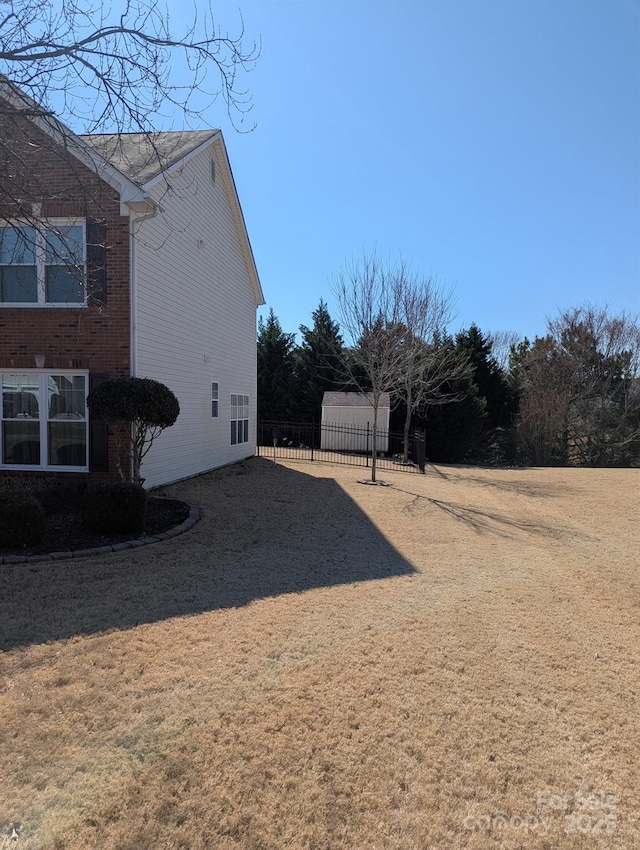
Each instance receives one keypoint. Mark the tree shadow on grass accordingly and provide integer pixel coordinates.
(520, 486)
(265, 530)
(484, 521)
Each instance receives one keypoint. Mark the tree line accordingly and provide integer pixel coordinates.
(570, 397)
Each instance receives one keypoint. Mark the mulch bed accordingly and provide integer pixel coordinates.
(64, 531)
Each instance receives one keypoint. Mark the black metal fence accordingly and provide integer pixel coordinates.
(340, 443)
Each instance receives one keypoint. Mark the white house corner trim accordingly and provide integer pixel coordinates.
(136, 219)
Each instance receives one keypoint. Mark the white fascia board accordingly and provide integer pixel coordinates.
(66, 138)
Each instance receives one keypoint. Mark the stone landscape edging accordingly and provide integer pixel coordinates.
(189, 522)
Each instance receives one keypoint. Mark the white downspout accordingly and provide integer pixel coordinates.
(133, 292)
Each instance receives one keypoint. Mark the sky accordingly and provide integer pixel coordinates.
(493, 144)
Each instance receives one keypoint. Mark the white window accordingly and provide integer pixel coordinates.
(239, 419)
(214, 401)
(44, 420)
(43, 263)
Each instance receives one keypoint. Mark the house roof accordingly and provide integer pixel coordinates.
(147, 158)
(337, 399)
(142, 156)
(133, 162)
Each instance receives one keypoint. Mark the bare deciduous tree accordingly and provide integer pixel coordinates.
(392, 317)
(544, 403)
(370, 319)
(602, 352)
(502, 343)
(427, 369)
(580, 398)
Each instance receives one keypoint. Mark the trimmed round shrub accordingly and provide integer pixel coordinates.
(137, 410)
(134, 400)
(21, 520)
(116, 507)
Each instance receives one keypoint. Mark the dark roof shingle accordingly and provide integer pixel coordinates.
(142, 156)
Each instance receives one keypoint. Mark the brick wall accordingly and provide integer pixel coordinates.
(94, 338)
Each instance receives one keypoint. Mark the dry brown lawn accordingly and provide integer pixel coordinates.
(448, 662)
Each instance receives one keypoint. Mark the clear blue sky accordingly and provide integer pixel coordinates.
(494, 143)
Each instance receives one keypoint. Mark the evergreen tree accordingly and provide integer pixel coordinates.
(517, 357)
(490, 380)
(318, 363)
(477, 424)
(276, 391)
(455, 430)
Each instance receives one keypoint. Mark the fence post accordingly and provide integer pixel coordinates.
(313, 436)
(419, 448)
(367, 444)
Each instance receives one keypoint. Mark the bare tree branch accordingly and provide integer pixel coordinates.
(69, 67)
(121, 69)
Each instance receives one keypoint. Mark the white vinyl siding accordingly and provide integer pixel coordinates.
(196, 313)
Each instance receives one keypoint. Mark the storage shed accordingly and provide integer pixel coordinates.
(347, 422)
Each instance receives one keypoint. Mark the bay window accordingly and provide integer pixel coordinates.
(44, 420)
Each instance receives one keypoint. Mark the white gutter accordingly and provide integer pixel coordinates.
(152, 210)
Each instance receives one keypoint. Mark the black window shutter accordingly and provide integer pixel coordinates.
(96, 262)
(98, 434)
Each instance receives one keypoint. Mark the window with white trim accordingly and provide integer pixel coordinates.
(43, 263)
(44, 420)
(239, 419)
(214, 400)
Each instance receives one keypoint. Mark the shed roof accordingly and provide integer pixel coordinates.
(338, 399)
